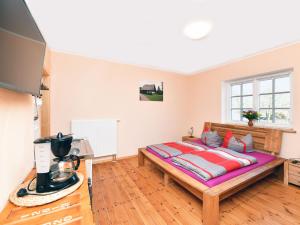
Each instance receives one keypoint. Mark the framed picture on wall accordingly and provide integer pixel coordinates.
(151, 91)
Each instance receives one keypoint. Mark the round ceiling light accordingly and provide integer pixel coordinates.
(197, 30)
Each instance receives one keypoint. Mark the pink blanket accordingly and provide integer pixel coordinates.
(212, 163)
(262, 159)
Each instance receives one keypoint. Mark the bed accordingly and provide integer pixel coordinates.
(265, 140)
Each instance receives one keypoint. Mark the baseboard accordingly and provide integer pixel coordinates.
(110, 158)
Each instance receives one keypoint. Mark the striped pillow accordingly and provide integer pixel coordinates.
(211, 138)
(245, 144)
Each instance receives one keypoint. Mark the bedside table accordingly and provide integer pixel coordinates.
(292, 173)
(189, 138)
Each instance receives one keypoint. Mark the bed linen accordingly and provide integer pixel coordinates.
(171, 149)
(212, 162)
(262, 159)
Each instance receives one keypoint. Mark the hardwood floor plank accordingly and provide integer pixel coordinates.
(126, 194)
(131, 210)
(144, 208)
(101, 215)
(161, 199)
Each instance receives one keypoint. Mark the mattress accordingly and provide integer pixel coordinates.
(262, 159)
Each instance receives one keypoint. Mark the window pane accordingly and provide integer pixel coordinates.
(282, 116)
(236, 90)
(282, 84)
(236, 115)
(236, 102)
(282, 100)
(266, 115)
(265, 86)
(248, 89)
(265, 101)
(244, 119)
(248, 102)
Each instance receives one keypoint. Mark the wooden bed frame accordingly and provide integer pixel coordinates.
(265, 139)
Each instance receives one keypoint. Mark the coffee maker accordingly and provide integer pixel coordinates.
(62, 173)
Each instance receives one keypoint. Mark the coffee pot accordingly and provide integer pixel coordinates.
(63, 169)
(62, 173)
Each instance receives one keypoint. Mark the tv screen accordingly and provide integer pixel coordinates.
(22, 48)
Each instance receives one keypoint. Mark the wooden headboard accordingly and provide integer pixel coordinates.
(265, 139)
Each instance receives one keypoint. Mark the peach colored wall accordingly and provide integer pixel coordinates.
(47, 61)
(84, 88)
(16, 137)
(90, 88)
(206, 89)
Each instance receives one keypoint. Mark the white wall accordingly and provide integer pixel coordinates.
(16, 141)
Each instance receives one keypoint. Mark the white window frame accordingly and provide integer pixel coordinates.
(226, 106)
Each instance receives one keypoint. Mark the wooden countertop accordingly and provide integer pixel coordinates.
(72, 209)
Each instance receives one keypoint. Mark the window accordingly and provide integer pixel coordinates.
(270, 95)
(241, 99)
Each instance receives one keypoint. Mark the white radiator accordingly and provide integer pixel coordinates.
(101, 133)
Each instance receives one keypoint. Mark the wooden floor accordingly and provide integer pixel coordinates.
(126, 194)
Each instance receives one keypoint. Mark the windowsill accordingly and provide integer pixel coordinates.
(285, 129)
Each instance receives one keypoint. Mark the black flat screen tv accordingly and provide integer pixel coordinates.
(22, 48)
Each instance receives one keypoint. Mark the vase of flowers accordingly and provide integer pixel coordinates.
(251, 115)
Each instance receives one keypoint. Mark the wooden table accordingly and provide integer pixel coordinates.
(189, 138)
(292, 173)
(72, 209)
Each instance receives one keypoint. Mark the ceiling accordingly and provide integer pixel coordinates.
(149, 33)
